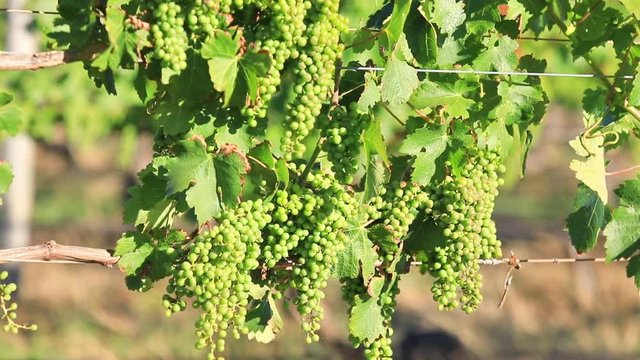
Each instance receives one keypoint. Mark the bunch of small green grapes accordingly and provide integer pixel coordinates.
(280, 36)
(168, 35)
(8, 309)
(217, 273)
(401, 204)
(343, 140)
(204, 17)
(463, 208)
(313, 72)
(308, 230)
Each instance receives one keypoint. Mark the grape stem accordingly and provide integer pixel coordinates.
(384, 106)
(311, 161)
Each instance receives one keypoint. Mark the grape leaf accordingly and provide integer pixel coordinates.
(591, 170)
(5, 98)
(393, 28)
(371, 94)
(221, 50)
(500, 55)
(263, 320)
(451, 97)
(633, 6)
(133, 248)
(587, 219)
(448, 15)
(228, 172)
(10, 117)
(634, 95)
(399, 80)
(623, 231)
(426, 144)
(365, 320)
(496, 137)
(193, 169)
(633, 269)
(375, 151)
(6, 177)
(518, 102)
(374, 288)
(358, 254)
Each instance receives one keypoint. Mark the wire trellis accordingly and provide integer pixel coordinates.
(24, 11)
(503, 73)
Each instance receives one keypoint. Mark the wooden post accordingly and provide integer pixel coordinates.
(19, 151)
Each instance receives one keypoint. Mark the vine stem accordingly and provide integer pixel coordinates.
(384, 106)
(623, 171)
(312, 160)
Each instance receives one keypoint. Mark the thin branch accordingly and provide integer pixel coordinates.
(47, 59)
(52, 252)
(623, 171)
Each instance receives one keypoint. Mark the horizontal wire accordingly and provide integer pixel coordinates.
(515, 261)
(482, 72)
(22, 11)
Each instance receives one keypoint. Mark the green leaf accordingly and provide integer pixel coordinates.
(399, 80)
(587, 219)
(133, 249)
(496, 137)
(5, 98)
(426, 144)
(500, 55)
(6, 177)
(193, 169)
(374, 288)
(633, 269)
(623, 231)
(374, 140)
(192, 162)
(358, 254)
(393, 28)
(263, 320)
(633, 6)
(366, 321)
(221, 50)
(10, 120)
(228, 172)
(591, 170)
(518, 102)
(451, 97)
(251, 67)
(634, 96)
(448, 15)
(371, 94)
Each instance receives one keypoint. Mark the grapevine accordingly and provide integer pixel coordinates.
(390, 142)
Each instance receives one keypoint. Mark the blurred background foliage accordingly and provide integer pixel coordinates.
(90, 144)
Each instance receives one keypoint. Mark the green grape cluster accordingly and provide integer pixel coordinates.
(217, 274)
(401, 205)
(463, 205)
(343, 140)
(307, 230)
(169, 38)
(319, 48)
(8, 308)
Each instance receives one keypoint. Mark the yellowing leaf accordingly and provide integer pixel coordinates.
(591, 170)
